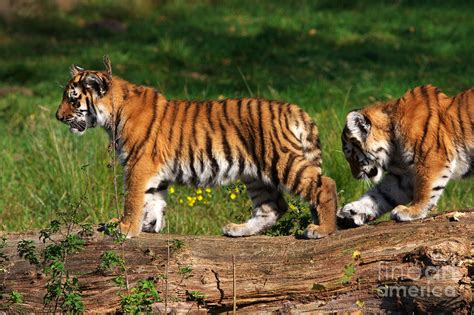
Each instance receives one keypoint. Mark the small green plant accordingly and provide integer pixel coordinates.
(195, 296)
(27, 250)
(294, 221)
(12, 303)
(185, 271)
(16, 297)
(120, 281)
(111, 229)
(62, 289)
(141, 297)
(177, 244)
(109, 260)
(349, 271)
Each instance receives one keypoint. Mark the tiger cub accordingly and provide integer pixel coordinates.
(270, 146)
(411, 148)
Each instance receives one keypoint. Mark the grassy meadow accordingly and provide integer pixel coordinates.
(327, 56)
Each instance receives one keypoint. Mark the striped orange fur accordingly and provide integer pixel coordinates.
(412, 147)
(270, 146)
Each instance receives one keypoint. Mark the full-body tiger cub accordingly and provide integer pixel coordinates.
(271, 146)
(411, 147)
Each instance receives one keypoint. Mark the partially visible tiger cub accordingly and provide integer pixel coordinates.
(269, 145)
(411, 148)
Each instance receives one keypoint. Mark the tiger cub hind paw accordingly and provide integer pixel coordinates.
(129, 230)
(404, 213)
(314, 231)
(236, 230)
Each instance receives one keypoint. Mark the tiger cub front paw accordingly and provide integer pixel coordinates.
(404, 213)
(356, 211)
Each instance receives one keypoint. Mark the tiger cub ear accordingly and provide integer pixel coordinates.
(359, 125)
(75, 69)
(96, 83)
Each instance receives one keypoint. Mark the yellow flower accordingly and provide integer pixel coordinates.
(199, 191)
(171, 190)
(236, 189)
(181, 201)
(208, 190)
(199, 197)
(233, 196)
(292, 206)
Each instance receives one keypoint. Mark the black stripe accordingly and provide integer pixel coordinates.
(226, 114)
(136, 150)
(286, 125)
(179, 172)
(426, 97)
(165, 111)
(210, 156)
(181, 131)
(125, 92)
(262, 136)
(193, 123)
(438, 188)
(241, 159)
(297, 179)
(276, 143)
(288, 166)
(172, 122)
(208, 115)
(274, 165)
(201, 160)
(226, 148)
(161, 186)
(92, 111)
(239, 110)
(194, 176)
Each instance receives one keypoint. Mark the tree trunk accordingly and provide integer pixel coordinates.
(422, 266)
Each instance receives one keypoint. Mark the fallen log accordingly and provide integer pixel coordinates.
(422, 266)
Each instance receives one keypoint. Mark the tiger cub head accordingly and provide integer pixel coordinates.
(80, 107)
(366, 142)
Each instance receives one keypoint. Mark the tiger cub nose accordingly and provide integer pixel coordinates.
(59, 115)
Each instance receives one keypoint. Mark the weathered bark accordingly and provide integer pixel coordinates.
(420, 266)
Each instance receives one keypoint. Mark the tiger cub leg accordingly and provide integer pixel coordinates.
(135, 188)
(155, 204)
(390, 192)
(268, 206)
(430, 182)
(322, 198)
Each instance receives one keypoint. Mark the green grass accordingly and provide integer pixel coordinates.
(327, 56)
